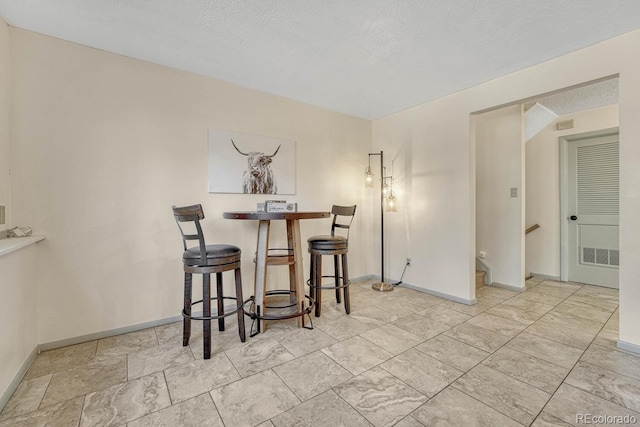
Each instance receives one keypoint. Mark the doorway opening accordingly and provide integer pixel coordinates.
(518, 183)
(582, 112)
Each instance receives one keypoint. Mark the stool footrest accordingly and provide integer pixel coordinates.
(280, 260)
(226, 314)
(256, 315)
(284, 257)
(344, 285)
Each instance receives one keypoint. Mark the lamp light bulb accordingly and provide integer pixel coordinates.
(391, 203)
(368, 176)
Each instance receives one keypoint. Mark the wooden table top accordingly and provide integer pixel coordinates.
(275, 215)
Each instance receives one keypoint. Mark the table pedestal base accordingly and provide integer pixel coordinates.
(278, 309)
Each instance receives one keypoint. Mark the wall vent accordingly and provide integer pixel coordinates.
(565, 124)
(598, 256)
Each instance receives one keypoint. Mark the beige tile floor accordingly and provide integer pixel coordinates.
(543, 357)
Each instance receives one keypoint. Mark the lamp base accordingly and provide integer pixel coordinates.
(382, 287)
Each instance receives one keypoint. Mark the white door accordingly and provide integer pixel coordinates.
(593, 210)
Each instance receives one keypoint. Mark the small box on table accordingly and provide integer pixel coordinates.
(277, 206)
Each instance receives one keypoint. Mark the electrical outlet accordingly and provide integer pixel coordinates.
(409, 261)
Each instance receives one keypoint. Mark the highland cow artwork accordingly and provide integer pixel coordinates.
(258, 178)
(250, 164)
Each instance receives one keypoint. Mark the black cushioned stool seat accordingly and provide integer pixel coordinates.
(215, 254)
(328, 243)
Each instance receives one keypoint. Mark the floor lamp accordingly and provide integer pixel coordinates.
(391, 207)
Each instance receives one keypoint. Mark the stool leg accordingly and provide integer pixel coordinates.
(312, 277)
(346, 283)
(206, 312)
(186, 321)
(240, 302)
(336, 275)
(318, 284)
(220, 301)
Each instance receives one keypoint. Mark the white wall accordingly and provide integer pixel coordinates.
(18, 314)
(543, 186)
(18, 281)
(104, 145)
(5, 186)
(499, 217)
(437, 137)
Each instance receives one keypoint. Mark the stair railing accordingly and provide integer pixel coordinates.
(530, 229)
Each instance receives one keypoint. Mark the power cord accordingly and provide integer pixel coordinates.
(402, 275)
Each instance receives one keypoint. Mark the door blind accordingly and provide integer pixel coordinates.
(598, 182)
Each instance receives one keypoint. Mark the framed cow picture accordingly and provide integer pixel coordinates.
(251, 164)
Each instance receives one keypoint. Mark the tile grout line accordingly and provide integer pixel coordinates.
(551, 394)
(84, 401)
(574, 365)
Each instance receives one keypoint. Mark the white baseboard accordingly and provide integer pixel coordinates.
(4, 398)
(119, 331)
(510, 287)
(364, 278)
(372, 277)
(417, 288)
(545, 276)
(438, 294)
(633, 348)
(106, 334)
(13, 385)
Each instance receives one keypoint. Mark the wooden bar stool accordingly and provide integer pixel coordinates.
(337, 246)
(207, 259)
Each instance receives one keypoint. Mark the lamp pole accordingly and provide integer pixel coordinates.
(381, 286)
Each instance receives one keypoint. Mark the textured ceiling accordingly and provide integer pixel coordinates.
(583, 98)
(368, 58)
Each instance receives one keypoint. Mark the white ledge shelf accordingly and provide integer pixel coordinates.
(14, 243)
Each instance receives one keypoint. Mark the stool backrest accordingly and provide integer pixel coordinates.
(342, 218)
(192, 214)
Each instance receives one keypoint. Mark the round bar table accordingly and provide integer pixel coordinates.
(293, 258)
